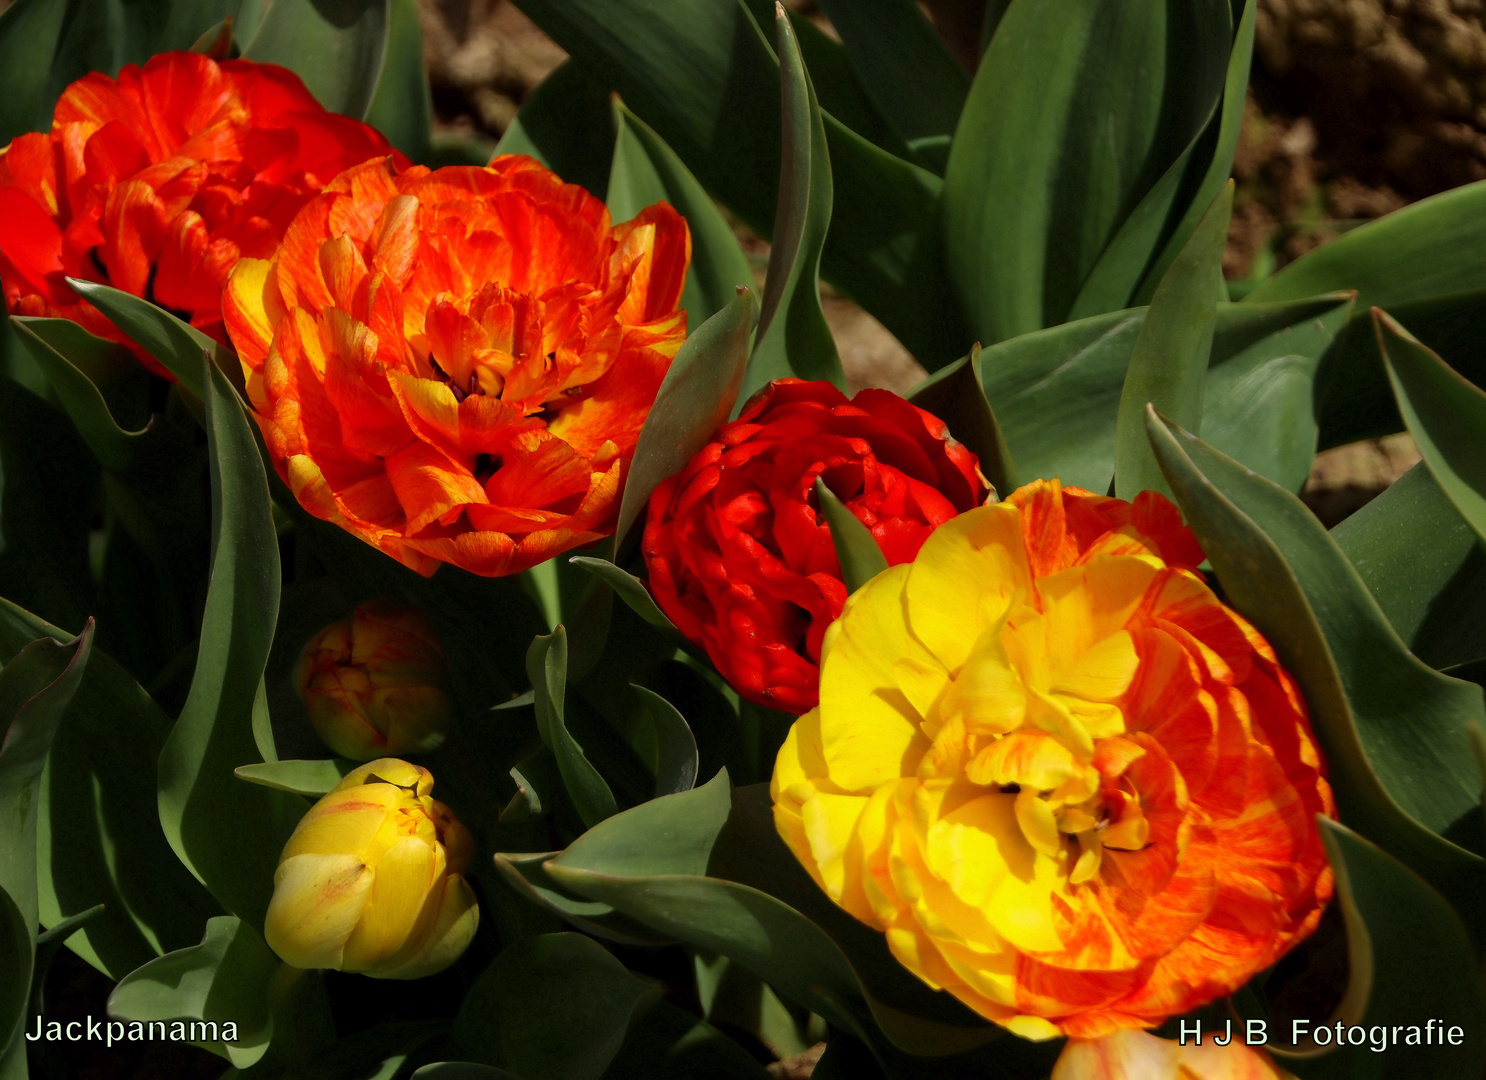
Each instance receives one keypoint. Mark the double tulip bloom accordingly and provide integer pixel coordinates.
(371, 879)
(1074, 789)
(741, 559)
(158, 181)
(455, 365)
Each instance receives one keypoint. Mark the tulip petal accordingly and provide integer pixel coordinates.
(317, 901)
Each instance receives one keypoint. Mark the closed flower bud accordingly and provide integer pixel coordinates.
(1136, 1055)
(371, 882)
(374, 683)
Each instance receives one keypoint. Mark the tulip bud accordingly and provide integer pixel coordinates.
(374, 683)
(371, 882)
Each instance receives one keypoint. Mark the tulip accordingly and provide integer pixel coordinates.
(371, 882)
(1074, 789)
(374, 683)
(1137, 1055)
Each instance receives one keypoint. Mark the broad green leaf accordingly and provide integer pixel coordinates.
(1229, 122)
(668, 1043)
(553, 1007)
(1445, 414)
(50, 486)
(178, 346)
(856, 550)
(905, 69)
(1384, 720)
(229, 834)
(673, 748)
(1259, 406)
(1429, 250)
(227, 979)
(1168, 366)
(53, 343)
(793, 338)
(689, 68)
(694, 400)
(732, 995)
(1057, 391)
(216, 40)
(36, 687)
(402, 105)
(1394, 919)
(547, 666)
(337, 49)
(567, 124)
(956, 394)
(628, 588)
(645, 171)
(523, 873)
(98, 836)
(311, 778)
(1424, 566)
(668, 863)
(1075, 113)
(30, 32)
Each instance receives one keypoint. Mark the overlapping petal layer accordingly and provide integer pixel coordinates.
(1073, 788)
(1136, 1055)
(738, 553)
(159, 181)
(455, 365)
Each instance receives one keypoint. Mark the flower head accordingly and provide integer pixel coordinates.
(373, 683)
(1075, 789)
(371, 882)
(158, 181)
(741, 558)
(455, 365)
(1136, 1055)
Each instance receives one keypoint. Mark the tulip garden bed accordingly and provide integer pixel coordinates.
(457, 625)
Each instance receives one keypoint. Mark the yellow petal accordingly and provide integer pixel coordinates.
(403, 878)
(1103, 672)
(1121, 1055)
(344, 822)
(1032, 759)
(317, 901)
(1039, 826)
(455, 918)
(830, 822)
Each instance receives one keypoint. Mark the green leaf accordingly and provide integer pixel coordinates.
(670, 1044)
(552, 1007)
(36, 687)
(793, 338)
(1430, 249)
(402, 105)
(1168, 367)
(856, 550)
(462, 1070)
(906, 70)
(567, 124)
(1384, 720)
(694, 400)
(54, 343)
(689, 68)
(29, 38)
(673, 757)
(628, 588)
(1424, 566)
(668, 863)
(646, 171)
(229, 978)
(730, 994)
(546, 665)
(336, 48)
(1057, 391)
(523, 873)
(229, 834)
(1075, 113)
(1445, 414)
(177, 345)
(956, 394)
(216, 40)
(311, 778)
(97, 834)
(1393, 920)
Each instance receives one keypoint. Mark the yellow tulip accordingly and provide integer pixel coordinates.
(371, 882)
(374, 683)
(1137, 1055)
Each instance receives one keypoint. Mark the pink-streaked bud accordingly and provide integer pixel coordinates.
(374, 683)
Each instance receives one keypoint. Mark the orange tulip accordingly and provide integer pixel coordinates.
(158, 181)
(1136, 1055)
(1075, 789)
(455, 365)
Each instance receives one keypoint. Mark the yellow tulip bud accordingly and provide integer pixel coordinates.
(374, 683)
(371, 882)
